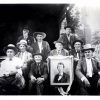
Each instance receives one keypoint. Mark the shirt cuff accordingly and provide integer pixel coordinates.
(83, 78)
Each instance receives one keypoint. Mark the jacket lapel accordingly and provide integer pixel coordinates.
(84, 66)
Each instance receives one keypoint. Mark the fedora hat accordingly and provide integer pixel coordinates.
(88, 47)
(10, 46)
(37, 54)
(58, 41)
(24, 42)
(40, 33)
(78, 41)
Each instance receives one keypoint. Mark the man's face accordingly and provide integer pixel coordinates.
(38, 58)
(59, 46)
(88, 54)
(10, 53)
(77, 46)
(39, 38)
(25, 34)
(60, 68)
(68, 31)
(22, 47)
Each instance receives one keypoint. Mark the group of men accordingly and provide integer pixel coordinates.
(34, 77)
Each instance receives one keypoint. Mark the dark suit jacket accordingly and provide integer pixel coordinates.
(81, 69)
(74, 53)
(30, 40)
(40, 71)
(45, 51)
(64, 79)
(67, 43)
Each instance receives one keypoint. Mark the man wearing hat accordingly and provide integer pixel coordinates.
(77, 54)
(88, 72)
(38, 74)
(68, 38)
(10, 70)
(30, 40)
(26, 58)
(77, 51)
(41, 46)
(59, 49)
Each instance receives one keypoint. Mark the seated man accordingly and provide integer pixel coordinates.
(88, 72)
(59, 49)
(61, 77)
(10, 71)
(38, 74)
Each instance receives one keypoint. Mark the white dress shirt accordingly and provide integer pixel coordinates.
(60, 76)
(8, 66)
(89, 67)
(40, 46)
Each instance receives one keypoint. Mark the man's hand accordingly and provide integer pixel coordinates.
(33, 79)
(40, 80)
(86, 82)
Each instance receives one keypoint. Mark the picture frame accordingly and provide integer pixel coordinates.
(67, 61)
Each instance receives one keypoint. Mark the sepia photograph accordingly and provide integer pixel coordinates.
(50, 48)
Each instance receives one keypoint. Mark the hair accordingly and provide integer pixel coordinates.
(26, 30)
(61, 64)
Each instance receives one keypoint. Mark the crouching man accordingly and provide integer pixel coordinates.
(38, 74)
(10, 72)
(88, 72)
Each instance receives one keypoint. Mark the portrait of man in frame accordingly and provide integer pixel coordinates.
(61, 70)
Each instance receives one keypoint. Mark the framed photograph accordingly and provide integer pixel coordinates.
(61, 70)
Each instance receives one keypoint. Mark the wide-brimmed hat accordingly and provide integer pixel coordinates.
(78, 41)
(88, 47)
(10, 46)
(24, 42)
(58, 41)
(40, 33)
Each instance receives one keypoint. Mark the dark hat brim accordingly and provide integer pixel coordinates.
(13, 48)
(58, 42)
(78, 41)
(93, 49)
(37, 54)
(40, 33)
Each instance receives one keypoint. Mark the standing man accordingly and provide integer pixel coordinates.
(38, 74)
(88, 72)
(68, 38)
(10, 71)
(41, 46)
(30, 40)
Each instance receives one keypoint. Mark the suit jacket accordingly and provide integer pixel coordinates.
(74, 53)
(64, 52)
(45, 50)
(81, 69)
(30, 40)
(64, 78)
(39, 71)
(67, 44)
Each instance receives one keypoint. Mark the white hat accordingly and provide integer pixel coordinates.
(24, 42)
(88, 47)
